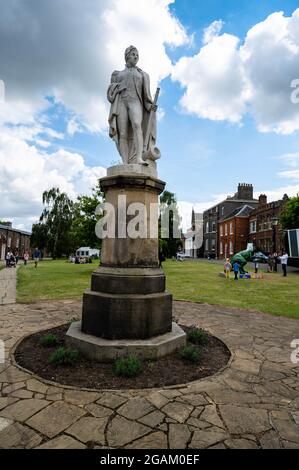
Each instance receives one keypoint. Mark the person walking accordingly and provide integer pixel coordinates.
(284, 262)
(227, 268)
(36, 256)
(236, 270)
(275, 258)
(256, 267)
(7, 258)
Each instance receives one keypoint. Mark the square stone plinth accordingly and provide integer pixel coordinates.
(106, 350)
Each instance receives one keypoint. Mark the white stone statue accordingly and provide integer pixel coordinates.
(132, 118)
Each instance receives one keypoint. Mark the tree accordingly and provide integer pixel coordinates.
(290, 215)
(169, 213)
(39, 236)
(57, 217)
(83, 225)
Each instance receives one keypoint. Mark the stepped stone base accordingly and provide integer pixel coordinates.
(105, 350)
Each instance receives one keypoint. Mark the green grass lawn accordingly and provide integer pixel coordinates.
(194, 281)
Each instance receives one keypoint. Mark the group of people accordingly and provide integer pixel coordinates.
(12, 259)
(273, 260)
(80, 260)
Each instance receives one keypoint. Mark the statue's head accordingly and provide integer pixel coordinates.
(131, 56)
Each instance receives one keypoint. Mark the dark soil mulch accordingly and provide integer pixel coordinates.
(169, 370)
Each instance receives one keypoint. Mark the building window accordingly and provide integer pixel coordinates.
(17, 242)
(207, 245)
(231, 228)
(207, 227)
(222, 210)
(253, 226)
(9, 242)
(231, 248)
(213, 241)
(225, 250)
(225, 229)
(221, 248)
(213, 226)
(221, 230)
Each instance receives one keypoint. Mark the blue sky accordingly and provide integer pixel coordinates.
(224, 68)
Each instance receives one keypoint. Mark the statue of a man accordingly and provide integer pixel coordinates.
(132, 118)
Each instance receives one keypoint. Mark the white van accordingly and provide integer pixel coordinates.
(87, 252)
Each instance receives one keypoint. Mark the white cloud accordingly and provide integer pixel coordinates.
(291, 174)
(26, 171)
(69, 48)
(226, 79)
(212, 30)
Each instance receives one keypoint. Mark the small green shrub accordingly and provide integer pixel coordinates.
(189, 353)
(197, 336)
(64, 356)
(129, 366)
(49, 340)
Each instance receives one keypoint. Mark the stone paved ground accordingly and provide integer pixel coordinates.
(254, 403)
(8, 286)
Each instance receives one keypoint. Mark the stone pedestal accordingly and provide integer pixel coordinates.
(127, 300)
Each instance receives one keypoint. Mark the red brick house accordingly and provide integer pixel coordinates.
(233, 232)
(265, 231)
(14, 239)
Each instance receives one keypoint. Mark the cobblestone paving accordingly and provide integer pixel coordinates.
(8, 281)
(253, 403)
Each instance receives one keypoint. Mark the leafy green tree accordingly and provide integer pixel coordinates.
(290, 215)
(169, 210)
(39, 236)
(85, 219)
(57, 216)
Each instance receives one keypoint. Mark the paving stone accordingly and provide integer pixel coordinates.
(55, 418)
(55, 397)
(77, 397)
(163, 427)
(290, 445)
(241, 420)
(197, 412)
(246, 365)
(62, 442)
(23, 409)
(22, 394)
(153, 419)
(5, 401)
(179, 435)
(270, 441)
(155, 440)
(111, 401)
(13, 387)
(295, 415)
(157, 399)
(207, 438)
(211, 416)
(13, 375)
(194, 399)
(18, 436)
(218, 446)
(170, 393)
(121, 431)
(36, 386)
(241, 444)
(287, 430)
(98, 411)
(89, 430)
(198, 423)
(177, 411)
(135, 408)
(230, 396)
(4, 423)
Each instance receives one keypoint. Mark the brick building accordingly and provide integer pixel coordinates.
(265, 231)
(233, 232)
(13, 239)
(221, 211)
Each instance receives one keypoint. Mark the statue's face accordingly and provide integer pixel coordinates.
(133, 58)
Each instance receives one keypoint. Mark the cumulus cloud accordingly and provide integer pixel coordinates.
(26, 171)
(212, 30)
(68, 48)
(227, 78)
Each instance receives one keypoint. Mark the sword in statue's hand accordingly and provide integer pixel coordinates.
(147, 151)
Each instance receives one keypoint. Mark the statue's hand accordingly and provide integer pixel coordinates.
(121, 88)
(154, 107)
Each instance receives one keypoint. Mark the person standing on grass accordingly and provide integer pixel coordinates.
(227, 268)
(256, 267)
(275, 257)
(36, 256)
(26, 258)
(236, 270)
(284, 262)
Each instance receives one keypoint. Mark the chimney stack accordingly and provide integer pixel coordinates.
(262, 200)
(245, 191)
